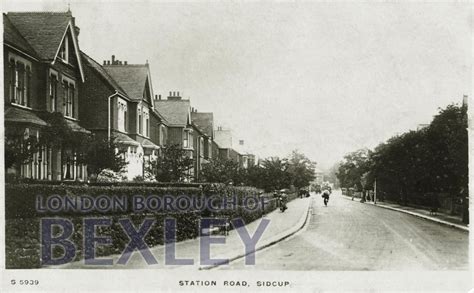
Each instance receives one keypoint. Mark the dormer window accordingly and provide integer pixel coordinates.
(64, 51)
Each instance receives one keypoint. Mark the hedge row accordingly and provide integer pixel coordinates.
(121, 183)
(23, 241)
(20, 199)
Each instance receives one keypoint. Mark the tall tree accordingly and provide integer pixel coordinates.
(102, 154)
(301, 169)
(172, 165)
(352, 168)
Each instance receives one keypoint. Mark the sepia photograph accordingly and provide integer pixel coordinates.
(251, 146)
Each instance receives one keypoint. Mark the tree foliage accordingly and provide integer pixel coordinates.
(431, 159)
(222, 171)
(172, 165)
(102, 154)
(272, 173)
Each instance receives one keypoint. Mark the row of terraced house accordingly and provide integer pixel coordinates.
(45, 71)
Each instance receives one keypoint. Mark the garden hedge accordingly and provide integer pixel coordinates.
(23, 241)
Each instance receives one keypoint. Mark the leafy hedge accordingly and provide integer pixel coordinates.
(23, 221)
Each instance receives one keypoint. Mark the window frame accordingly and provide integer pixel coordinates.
(19, 92)
(53, 99)
(67, 84)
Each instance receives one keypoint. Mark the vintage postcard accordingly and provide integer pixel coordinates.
(236, 146)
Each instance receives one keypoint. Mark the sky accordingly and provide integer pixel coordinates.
(323, 78)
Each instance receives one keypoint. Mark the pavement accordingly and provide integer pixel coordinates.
(281, 226)
(351, 236)
(439, 218)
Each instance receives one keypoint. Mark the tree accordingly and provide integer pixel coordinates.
(352, 168)
(102, 154)
(172, 165)
(275, 174)
(432, 159)
(19, 150)
(221, 171)
(300, 169)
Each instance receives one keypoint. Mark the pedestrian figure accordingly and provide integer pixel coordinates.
(325, 196)
(434, 204)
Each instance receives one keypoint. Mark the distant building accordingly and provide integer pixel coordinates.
(319, 176)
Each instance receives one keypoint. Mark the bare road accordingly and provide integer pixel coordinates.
(349, 235)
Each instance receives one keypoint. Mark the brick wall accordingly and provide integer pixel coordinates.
(93, 100)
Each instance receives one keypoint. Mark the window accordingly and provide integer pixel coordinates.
(53, 91)
(64, 51)
(69, 98)
(201, 147)
(162, 134)
(186, 139)
(147, 128)
(125, 120)
(140, 121)
(20, 80)
(19, 87)
(122, 115)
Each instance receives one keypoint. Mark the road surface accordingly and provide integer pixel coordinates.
(349, 235)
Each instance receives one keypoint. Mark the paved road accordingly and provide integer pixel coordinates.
(349, 235)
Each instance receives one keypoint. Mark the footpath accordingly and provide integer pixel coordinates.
(439, 218)
(280, 227)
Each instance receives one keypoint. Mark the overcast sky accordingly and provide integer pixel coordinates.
(323, 78)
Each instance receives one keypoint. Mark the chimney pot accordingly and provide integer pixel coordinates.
(125, 62)
(105, 62)
(113, 59)
(159, 97)
(108, 62)
(177, 94)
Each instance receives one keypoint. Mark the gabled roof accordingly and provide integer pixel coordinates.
(176, 112)
(223, 138)
(45, 31)
(131, 78)
(88, 61)
(13, 37)
(204, 122)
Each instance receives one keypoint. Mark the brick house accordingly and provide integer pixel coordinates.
(42, 74)
(203, 125)
(118, 103)
(177, 112)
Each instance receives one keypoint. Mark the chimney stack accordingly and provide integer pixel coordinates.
(108, 62)
(105, 62)
(464, 100)
(159, 97)
(125, 62)
(113, 59)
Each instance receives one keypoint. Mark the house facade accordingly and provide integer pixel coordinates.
(177, 113)
(203, 124)
(43, 74)
(118, 103)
